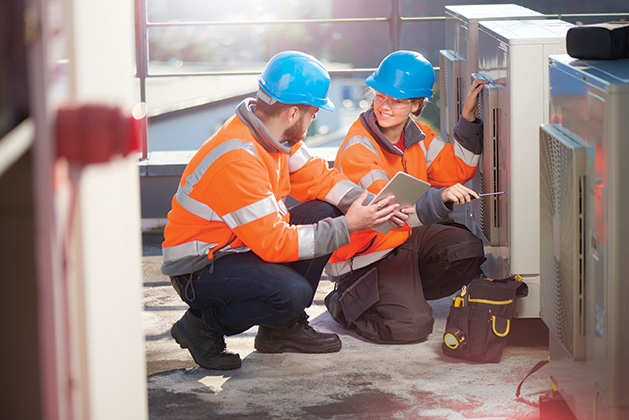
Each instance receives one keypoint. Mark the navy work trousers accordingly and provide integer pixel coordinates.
(239, 291)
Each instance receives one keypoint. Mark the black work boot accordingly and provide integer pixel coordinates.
(296, 334)
(206, 346)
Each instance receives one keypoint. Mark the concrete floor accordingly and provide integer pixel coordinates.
(362, 381)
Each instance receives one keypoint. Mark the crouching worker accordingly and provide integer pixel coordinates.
(234, 252)
(382, 281)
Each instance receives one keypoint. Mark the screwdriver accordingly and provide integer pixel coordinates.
(491, 193)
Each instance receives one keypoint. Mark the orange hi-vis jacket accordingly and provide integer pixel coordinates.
(368, 158)
(231, 199)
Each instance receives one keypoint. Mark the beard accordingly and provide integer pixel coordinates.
(295, 133)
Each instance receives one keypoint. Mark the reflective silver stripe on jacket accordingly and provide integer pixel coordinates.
(251, 212)
(358, 140)
(338, 192)
(196, 207)
(306, 240)
(183, 192)
(177, 252)
(200, 209)
(298, 159)
(373, 176)
(360, 261)
(433, 151)
(196, 248)
(437, 145)
(467, 156)
(211, 157)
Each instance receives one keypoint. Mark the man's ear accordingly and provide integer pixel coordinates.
(292, 113)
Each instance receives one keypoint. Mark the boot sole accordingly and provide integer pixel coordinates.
(281, 346)
(221, 365)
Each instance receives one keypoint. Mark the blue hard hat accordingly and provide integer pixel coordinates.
(403, 75)
(293, 77)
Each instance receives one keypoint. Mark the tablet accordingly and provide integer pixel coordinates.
(406, 188)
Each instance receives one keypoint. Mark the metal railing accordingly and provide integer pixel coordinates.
(394, 20)
(143, 26)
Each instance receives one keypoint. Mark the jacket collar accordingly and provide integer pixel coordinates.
(412, 133)
(244, 111)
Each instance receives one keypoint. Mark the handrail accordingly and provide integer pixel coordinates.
(622, 16)
(256, 72)
(268, 22)
(142, 26)
(395, 21)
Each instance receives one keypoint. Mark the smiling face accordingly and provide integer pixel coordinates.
(392, 112)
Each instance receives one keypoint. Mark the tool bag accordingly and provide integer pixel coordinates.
(480, 318)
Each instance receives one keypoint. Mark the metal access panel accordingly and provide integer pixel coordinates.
(462, 47)
(563, 171)
(590, 100)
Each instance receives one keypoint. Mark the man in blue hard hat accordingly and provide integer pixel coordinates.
(234, 252)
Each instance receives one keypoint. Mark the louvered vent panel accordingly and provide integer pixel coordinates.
(450, 85)
(491, 214)
(562, 180)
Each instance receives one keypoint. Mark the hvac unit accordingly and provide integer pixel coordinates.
(584, 174)
(513, 57)
(460, 58)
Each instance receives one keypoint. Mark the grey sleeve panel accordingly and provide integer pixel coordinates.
(330, 234)
(430, 207)
(350, 196)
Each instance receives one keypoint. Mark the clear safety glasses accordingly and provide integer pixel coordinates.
(393, 103)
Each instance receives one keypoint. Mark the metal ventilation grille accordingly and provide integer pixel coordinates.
(491, 214)
(450, 86)
(563, 168)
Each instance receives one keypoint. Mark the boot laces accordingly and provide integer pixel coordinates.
(217, 339)
(302, 320)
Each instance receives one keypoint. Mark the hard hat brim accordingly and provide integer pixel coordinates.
(395, 92)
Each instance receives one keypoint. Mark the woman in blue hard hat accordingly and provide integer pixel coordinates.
(384, 140)
(234, 252)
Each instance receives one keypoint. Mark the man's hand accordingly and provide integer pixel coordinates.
(458, 194)
(360, 217)
(471, 100)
